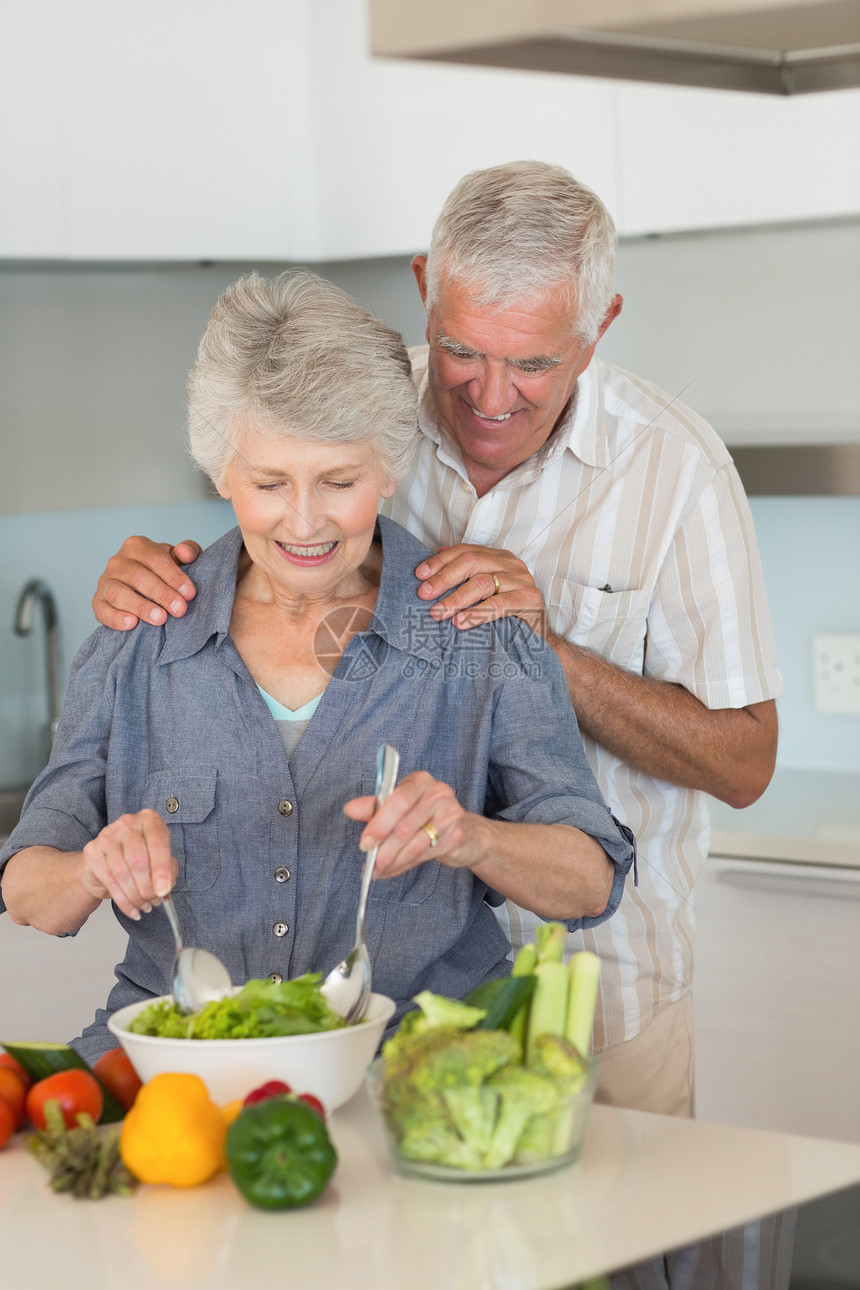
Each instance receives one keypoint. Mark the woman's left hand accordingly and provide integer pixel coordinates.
(421, 820)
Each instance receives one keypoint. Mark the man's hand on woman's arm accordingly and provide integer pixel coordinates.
(144, 582)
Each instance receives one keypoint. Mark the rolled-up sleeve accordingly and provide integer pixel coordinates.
(65, 807)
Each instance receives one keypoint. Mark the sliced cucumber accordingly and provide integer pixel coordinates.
(40, 1060)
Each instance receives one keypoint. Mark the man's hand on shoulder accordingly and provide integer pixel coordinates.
(490, 583)
(144, 582)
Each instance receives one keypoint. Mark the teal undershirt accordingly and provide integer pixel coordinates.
(291, 724)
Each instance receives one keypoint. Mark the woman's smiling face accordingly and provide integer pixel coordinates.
(307, 510)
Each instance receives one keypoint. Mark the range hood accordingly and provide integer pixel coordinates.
(764, 46)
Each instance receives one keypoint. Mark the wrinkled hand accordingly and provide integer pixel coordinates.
(130, 863)
(470, 569)
(398, 826)
(143, 582)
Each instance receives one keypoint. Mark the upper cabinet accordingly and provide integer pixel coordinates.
(200, 129)
(692, 158)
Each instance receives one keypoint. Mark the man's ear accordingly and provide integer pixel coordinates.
(419, 268)
(611, 314)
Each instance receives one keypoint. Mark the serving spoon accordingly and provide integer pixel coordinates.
(198, 976)
(347, 986)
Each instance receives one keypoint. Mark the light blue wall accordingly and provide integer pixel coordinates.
(68, 549)
(810, 550)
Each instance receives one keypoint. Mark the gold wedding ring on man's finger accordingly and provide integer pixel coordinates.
(431, 832)
(495, 578)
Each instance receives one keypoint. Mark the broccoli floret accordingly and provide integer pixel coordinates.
(438, 1075)
(523, 1095)
(440, 1011)
(473, 1108)
(467, 1059)
(429, 1136)
(404, 1055)
(556, 1058)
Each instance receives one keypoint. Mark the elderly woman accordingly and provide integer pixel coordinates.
(230, 755)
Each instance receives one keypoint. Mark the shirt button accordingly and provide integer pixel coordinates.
(275, 978)
(280, 929)
(285, 807)
(172, 805)
(282, 875)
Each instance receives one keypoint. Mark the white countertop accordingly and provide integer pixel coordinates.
(645, 1183)
(804, 816)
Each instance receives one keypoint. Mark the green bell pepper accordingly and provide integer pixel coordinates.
(279, 1153)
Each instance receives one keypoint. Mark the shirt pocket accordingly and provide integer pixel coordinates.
(612, 623)
(410, 888)
(185, 800)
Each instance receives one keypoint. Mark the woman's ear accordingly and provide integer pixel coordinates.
(388, 488)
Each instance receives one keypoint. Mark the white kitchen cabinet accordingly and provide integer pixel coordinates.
(32, 216)
(201, 129)
(775, 996)
(395, 136)
(693, 158)
(186, 129)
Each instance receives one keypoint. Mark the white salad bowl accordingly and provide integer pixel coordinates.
(331, 1064)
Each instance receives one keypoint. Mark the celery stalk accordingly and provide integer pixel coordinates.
(584, 973)
(524, 965)
(548, 1012)
(549, 940)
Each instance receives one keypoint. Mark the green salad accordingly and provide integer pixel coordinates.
(259, 1010)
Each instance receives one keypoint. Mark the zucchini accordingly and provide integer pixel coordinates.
(40, 1060)
(502, 1000)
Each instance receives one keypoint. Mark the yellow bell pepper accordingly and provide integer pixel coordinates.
(174, 1133)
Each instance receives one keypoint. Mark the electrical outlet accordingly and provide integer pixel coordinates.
(836, 672)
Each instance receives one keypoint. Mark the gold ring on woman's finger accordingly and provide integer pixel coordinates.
(495, 578)
(431, 832)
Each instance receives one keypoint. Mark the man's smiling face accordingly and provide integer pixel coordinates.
(501, 378)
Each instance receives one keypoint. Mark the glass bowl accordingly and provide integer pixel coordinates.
(549, 1141)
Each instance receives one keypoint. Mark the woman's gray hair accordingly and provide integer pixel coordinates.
(297, 357)
(519, 230)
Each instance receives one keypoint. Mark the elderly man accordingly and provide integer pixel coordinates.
(587, 501)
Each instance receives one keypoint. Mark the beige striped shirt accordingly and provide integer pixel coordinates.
(635, 493)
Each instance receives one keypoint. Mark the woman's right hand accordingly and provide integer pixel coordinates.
(144, 582)
(130, 863)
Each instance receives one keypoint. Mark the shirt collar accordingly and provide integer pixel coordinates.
(400, 618)
(209, 613)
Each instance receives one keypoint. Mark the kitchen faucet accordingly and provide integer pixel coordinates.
(33, 591)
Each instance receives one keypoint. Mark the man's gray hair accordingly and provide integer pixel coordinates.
(519, 230)
(297, 357)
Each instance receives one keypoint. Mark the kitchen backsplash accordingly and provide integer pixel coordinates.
(810, 550)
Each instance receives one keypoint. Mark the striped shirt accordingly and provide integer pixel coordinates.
(635, 526)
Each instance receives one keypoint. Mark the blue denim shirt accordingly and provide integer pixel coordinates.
(269, 865)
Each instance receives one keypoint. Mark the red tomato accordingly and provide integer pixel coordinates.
(313, 1102)
(75, 1091)
(14, 1094)
(10, 1064)
(273, 1088)
(7, 1123)
(118, 1076)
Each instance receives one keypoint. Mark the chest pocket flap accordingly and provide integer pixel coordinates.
(612, 623)
(185, 800)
